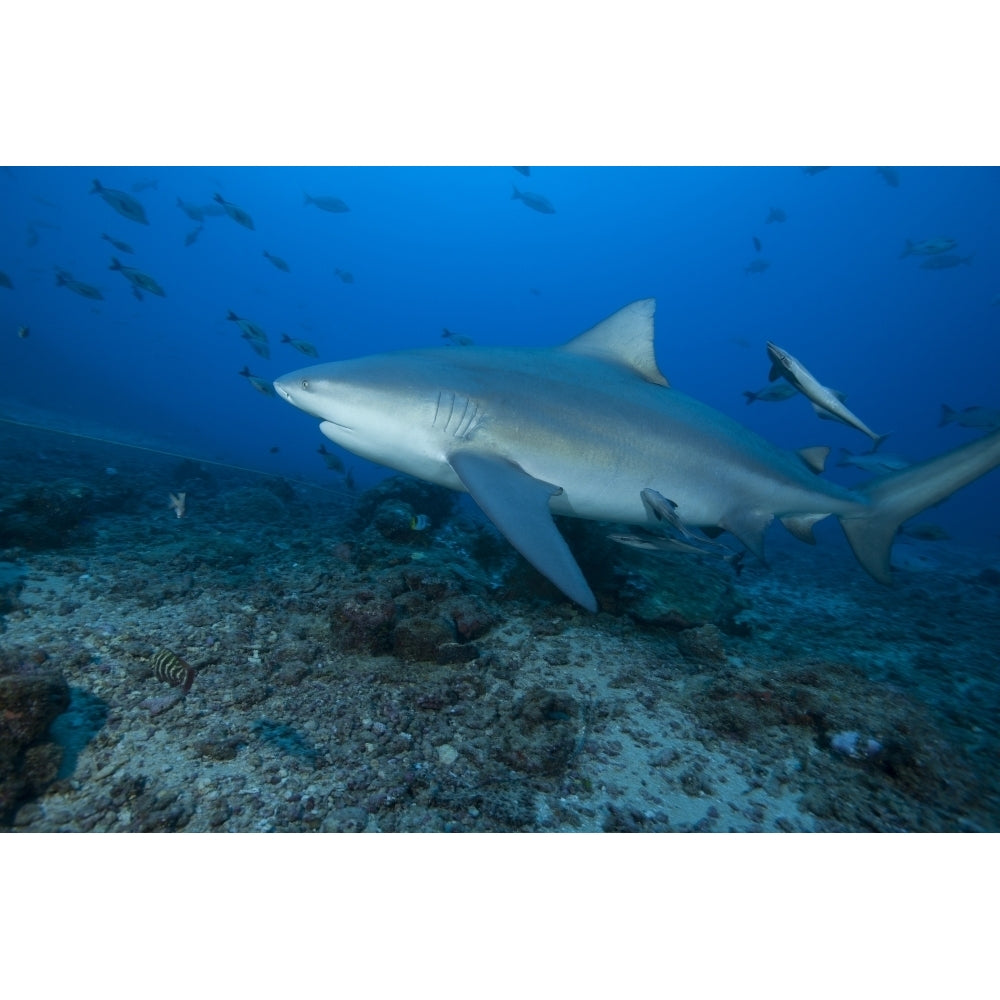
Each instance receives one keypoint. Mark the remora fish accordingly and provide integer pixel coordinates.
(122, 203)
(783, 365)
(529, 433)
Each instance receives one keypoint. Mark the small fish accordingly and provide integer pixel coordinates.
(456, 338)
(65, 279)
(536, 201)
(971, 416)
(279, 262)
(23, 332)
(926, 248)
(260, 384)
(5, 281)
(925, 531)
(194, 212)
(812, 171)
(872, 462)
(774, 393)
(138, 279)
(273, 450)
(260, 346)
(170, 668)
(212, 210)
(345, 276)
(326, 202)
(945, 260)
(332, 461)
(652, 543)
(776, 215)
(524, 171)
(783, 365)
(300, 345)
(234, 212)
(117, 244)
(535, 291)
(177, 503)
(193, 235)
(890, 175)
(756, 244)
(758, 266)
(145, 184)
(122, 203)
(249, 328)
(420, 523)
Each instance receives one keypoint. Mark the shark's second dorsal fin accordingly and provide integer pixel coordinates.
(624, 338)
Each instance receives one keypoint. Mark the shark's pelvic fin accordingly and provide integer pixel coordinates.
(624, 338)
(518, 505)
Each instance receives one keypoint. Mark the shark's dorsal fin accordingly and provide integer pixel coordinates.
(624, 338)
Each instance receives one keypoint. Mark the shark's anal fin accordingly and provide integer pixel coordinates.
(518, 505)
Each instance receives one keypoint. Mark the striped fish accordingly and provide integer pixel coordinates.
(170, 668)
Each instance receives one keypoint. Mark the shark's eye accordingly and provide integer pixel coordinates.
(305, 384)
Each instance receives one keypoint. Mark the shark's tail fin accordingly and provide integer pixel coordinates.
(896, 498)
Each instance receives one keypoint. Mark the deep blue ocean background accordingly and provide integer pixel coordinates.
(433, 248)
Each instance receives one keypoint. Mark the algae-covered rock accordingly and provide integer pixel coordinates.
(30, 700)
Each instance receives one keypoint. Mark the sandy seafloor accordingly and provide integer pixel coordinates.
(355, 674)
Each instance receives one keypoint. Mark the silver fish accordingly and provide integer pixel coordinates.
(326, 202)
(890, 175)
(536, 201)
(300, 345)
(262, 385)
(122, 203)
(926, 248)
(235, 212)
(771, 393)
(259, 346)
(279, 262)
(945, 260)
(776, 215)
(117, 244)
(138, 279)
(345, 276)
(66, 280)
(971, 416)
(250, 329)
(194, 212)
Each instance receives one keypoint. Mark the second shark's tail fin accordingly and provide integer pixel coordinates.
(896, 498)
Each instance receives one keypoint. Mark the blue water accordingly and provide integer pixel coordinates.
(448, 247)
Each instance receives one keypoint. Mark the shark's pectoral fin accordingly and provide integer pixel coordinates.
(518, 505)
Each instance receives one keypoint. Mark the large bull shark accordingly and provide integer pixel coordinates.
(592, 429)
